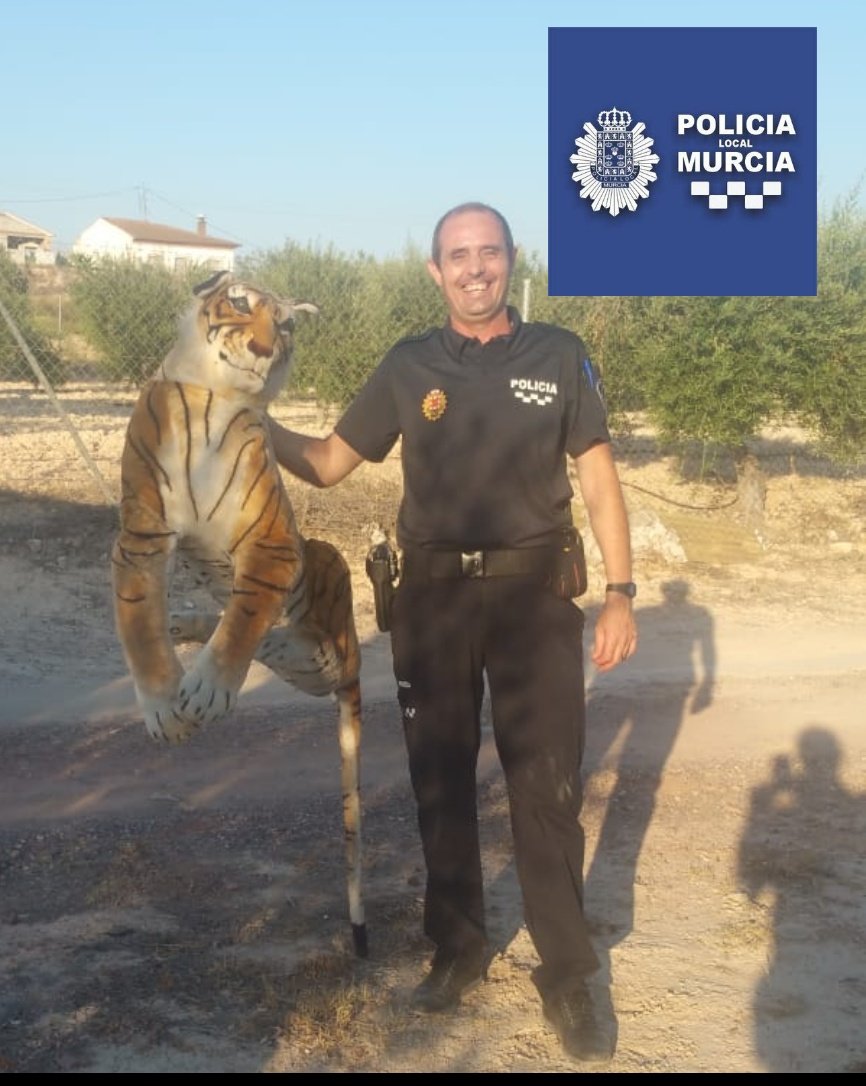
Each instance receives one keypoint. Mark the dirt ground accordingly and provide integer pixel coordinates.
(182, 910)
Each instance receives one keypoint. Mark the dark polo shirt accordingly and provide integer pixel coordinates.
(485, 432)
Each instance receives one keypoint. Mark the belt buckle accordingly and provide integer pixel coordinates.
(472, 563)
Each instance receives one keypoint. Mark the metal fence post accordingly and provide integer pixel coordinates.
(46, 385)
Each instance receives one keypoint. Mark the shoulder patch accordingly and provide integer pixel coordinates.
(592, 379)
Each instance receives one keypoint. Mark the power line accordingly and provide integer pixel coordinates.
(194, 215)
(62, 199)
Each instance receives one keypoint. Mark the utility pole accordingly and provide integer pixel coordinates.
(525, 314)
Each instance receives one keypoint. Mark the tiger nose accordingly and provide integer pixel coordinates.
(264, 340)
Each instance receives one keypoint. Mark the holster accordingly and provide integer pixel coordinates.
(569, 576)
(382, 569)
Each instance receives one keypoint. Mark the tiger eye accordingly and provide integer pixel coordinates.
(240, 304)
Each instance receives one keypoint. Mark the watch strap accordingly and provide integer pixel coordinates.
(625, 588)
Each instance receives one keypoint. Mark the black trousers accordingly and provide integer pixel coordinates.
(446, 634)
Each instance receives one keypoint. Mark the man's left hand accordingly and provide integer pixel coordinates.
(615, 633)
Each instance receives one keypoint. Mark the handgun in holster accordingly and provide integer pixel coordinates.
(569, 578)
(383, 570)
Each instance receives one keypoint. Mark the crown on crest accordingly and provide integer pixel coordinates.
(614, 120)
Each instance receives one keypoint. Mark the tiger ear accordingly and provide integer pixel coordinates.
(205, 289)
(289, 309)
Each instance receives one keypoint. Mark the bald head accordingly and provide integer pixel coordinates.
(461, 209)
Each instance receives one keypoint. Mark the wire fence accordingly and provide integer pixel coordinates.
(75, 349)
(76, 343)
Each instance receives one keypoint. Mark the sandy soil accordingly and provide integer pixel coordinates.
(182, 910)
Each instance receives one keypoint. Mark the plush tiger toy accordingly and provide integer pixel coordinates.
(201, 489)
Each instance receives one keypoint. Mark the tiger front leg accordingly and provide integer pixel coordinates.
(210, 687)
(140, 562)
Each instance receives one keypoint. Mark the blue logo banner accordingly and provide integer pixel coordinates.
(682, 161)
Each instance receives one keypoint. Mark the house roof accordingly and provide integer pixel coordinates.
(160, 234)
(12, 224)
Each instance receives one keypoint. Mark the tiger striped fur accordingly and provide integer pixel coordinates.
(201, 489)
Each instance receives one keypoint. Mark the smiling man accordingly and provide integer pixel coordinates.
(471, 261)
(489, 409)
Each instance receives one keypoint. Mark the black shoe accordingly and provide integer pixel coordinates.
(574, 1018)
(449, 979)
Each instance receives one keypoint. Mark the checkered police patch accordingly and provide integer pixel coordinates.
(530, 391)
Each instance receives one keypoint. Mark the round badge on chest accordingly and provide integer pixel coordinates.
(433, 405)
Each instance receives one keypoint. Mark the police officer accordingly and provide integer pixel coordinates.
(489, 409)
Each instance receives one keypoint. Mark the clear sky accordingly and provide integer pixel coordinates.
(351, 123)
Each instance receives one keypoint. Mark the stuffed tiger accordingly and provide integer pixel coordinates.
(200, 488)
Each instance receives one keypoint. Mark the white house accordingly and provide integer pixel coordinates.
(24, 242)
(153, 243)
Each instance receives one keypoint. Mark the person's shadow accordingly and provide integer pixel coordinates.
(802, 857)
(631, 731)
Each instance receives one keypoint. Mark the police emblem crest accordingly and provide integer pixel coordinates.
(433, 405)
(613, 164)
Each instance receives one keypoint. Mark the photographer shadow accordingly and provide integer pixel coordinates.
(801, 862)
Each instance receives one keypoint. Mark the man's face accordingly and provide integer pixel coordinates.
(473, 270)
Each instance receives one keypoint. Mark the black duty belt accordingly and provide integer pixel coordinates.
(524, 561)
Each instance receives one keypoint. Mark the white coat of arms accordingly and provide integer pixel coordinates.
(614, 165)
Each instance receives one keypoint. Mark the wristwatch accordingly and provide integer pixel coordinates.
(626, 588)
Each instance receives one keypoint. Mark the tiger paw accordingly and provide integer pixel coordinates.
(163, 720)
(204, 696)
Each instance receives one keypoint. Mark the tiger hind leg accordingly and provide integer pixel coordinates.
(299, 655)
(305, 657)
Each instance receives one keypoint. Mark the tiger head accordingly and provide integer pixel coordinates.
(235, 339)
